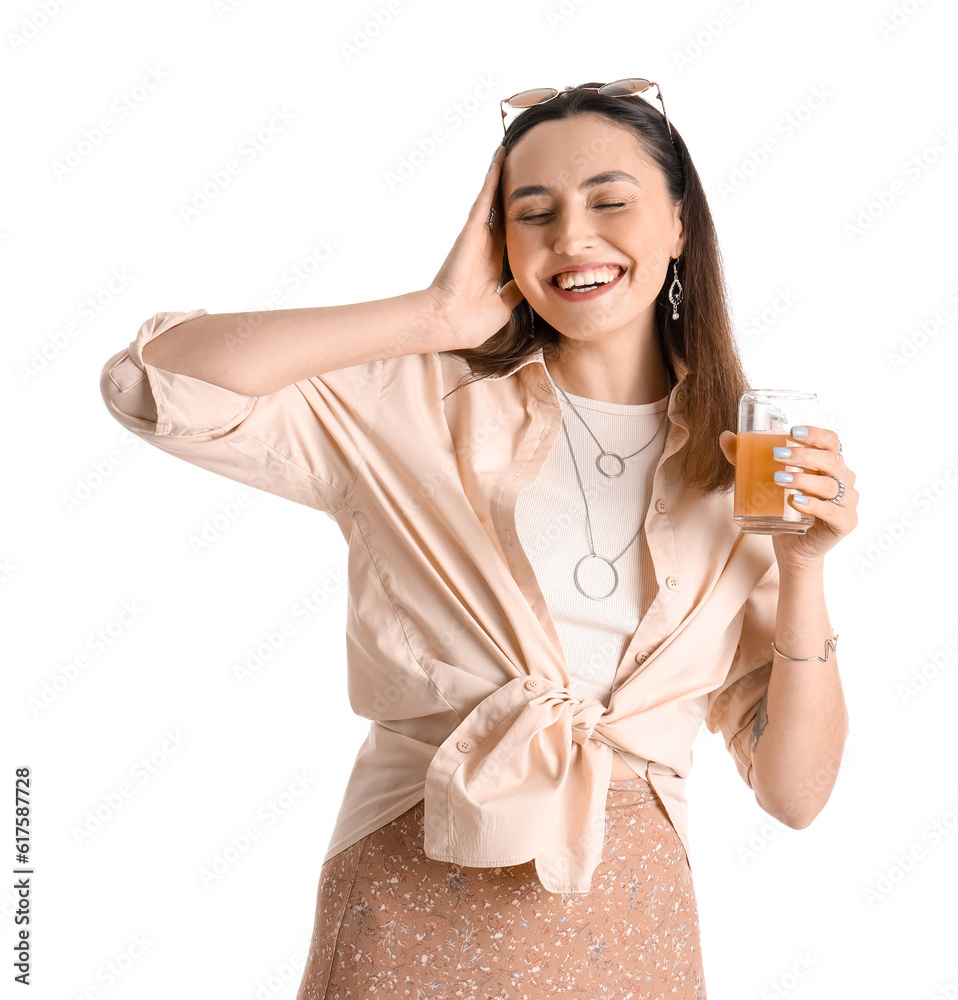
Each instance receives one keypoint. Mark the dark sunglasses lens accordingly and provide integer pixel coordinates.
(529, 98)
(620, 87)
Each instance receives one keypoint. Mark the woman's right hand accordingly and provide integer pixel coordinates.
(468, 305)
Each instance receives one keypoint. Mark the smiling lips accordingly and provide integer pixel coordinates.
(586, 283)
(587, 279)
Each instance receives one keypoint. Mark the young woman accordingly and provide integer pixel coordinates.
(531, 462)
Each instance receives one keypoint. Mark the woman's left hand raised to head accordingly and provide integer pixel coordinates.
(819, 455)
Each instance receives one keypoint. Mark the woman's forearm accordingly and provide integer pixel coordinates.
(802, 724)
(261, 352)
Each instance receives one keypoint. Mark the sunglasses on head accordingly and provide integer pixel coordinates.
(632, 87)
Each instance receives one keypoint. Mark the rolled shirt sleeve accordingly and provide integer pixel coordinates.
(305, 442)
(732, 707)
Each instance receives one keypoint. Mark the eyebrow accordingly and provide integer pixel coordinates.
(603, 178)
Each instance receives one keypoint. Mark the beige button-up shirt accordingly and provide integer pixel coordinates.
(451, 651)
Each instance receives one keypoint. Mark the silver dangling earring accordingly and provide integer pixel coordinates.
(675, 290)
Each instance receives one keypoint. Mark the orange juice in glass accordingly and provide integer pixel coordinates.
(765, 416)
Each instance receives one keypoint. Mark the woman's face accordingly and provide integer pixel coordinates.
(565, 212)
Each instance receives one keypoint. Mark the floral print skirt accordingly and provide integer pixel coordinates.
(391, 922)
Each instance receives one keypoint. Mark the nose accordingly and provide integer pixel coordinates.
(574, 231)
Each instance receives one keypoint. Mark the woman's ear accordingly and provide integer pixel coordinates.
(680, 246)
(728, 442)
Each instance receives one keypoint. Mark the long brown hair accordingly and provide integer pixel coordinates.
(700, 344)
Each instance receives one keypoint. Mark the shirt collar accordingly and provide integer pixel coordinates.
(538, 356)
(676, 396)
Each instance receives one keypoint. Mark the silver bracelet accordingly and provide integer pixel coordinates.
(829, 643)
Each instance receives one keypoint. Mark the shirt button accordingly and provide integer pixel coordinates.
(661, 506)
(671, 582)
(464, 745)
(642, 657)
(531, 684)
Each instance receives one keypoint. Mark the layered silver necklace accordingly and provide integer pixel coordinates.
(618, 462)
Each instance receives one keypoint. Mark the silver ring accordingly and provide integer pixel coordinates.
(839, 447)
(841, 491)
(492, 217)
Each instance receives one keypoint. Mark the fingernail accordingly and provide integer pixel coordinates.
(799, 498)
(799, 432)
(781, 453)
(783, 477)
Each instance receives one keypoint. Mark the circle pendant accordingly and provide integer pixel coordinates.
(609, 454)
(596, 578)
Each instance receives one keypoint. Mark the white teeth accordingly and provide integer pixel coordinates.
(602, 275)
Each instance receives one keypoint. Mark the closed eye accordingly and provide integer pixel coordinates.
(542, 215)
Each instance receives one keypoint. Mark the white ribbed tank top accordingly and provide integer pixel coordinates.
(552, 529)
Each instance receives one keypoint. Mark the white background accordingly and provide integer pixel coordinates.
(783, 912)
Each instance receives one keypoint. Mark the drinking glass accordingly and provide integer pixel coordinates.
(765, 417)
